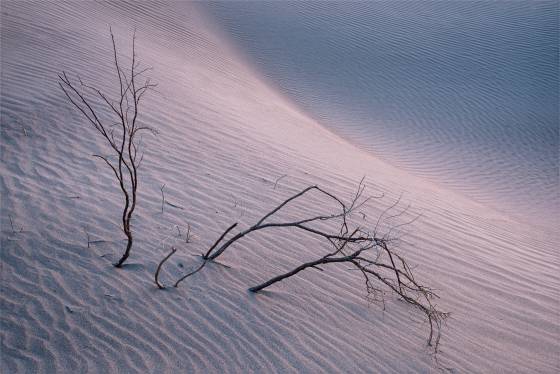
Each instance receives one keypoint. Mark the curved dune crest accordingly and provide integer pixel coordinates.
(462, 94)
(226, 138)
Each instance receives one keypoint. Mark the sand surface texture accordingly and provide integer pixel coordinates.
(225, 138)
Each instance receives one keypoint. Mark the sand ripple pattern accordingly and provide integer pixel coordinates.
(465, 94)
(225, 138)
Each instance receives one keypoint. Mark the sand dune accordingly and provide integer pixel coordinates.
(464, 94)
(225, 137)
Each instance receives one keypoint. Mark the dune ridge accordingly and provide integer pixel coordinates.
(462, 94)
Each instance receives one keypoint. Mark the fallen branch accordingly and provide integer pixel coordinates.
(346, 210)
(372, 269)
(380, 266)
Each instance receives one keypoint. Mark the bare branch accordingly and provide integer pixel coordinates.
(403, 283)
(121, 134)
(340, 235)
(284, 203)
(110, 165)
(352, 245)
(219, 240)
(156, 276)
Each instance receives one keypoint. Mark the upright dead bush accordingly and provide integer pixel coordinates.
(121, 132)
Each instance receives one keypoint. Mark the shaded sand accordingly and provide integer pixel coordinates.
(462, 93)
(225, 139)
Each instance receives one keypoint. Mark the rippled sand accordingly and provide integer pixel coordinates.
(462, 93)
(225, 137)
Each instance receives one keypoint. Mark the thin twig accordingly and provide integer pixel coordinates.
(156, 276)
(162, 197)
(174, 206)
(87, 235)
(278, 180)
(191, 273)
(13, 228)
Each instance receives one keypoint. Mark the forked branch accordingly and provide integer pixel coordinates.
(342, 214)
(120, 132)
(380, 266)
(395, 276)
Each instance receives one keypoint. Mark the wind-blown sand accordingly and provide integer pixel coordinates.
(225, 138)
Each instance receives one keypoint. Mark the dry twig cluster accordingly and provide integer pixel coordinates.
(372, 255)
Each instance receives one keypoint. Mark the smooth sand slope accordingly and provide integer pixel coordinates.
(225, 138)
(462, 93)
